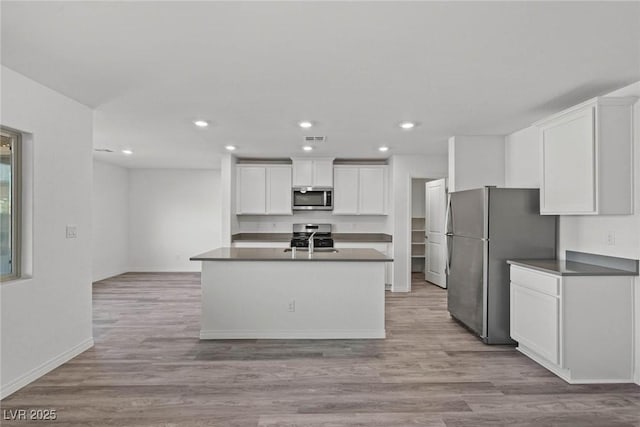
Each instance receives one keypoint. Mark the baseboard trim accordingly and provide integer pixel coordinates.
(45, 368)
(293, 334)
(565, 374)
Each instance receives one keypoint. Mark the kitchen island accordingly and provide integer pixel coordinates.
(273, 293)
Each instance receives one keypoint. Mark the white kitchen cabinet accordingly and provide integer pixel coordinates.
(313, 172)
(251, 193)
(263, 190)
(587, 159)
(359, 190)
(385, 248)
(578, 327)
(345, 190)
(279, 190)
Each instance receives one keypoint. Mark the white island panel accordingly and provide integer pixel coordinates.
(285, 300)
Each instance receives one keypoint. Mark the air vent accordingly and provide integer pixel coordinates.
(314, 139)
(103, 150)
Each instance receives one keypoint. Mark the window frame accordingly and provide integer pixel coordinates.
(16, 203)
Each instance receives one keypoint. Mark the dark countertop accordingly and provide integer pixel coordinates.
(279, 254)
(337, 237)
(560, 267)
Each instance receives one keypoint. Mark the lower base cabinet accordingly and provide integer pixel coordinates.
(578, 327)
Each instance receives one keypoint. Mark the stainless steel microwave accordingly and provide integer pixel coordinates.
(312, 199)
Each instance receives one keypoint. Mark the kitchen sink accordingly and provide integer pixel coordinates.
(323, 250)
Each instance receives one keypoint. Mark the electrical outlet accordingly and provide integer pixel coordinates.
(611, 238)
(72, 231)
(292, 306)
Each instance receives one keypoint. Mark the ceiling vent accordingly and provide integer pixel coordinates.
(103, 150)
(314, 139)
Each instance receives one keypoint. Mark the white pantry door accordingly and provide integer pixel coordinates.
(436, 206)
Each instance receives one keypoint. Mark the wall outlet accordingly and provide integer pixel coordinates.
(292, 306)
(611, 238)
(72, 231)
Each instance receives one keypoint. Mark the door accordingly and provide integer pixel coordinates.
(279, 190)
(251, 190)
(535, 321)
(435, 209)
(468, 213)
(568, 165)
(465, 282)
(302, 173)
(371, 191)
(323, 173)
(345, 190)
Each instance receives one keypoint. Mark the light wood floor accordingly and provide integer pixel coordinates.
(148, 368)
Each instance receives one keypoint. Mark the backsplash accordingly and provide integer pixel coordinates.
(341, 223)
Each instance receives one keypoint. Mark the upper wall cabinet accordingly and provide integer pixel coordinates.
(313, 172)
(263, 190)
(359, 190)
(587, 159)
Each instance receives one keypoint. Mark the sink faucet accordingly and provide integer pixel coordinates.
(311, 242)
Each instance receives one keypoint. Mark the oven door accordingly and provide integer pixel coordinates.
(311, 199)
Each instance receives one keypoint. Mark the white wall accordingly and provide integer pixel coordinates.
(341, 223)
(173, 214)
(46, 318)
(522, 159)
(403, 169)
(475, 161)
(110, 236)
(586, 233)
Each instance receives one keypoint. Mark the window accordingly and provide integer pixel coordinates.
(9, 204)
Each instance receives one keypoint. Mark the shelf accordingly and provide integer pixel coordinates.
(417, 243)
(417, 256)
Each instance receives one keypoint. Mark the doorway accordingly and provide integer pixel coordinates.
(428, 206)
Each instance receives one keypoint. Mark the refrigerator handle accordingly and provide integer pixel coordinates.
(449, 252)
(448, 221)
(447, 235)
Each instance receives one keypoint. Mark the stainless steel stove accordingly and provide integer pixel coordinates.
(321, 238)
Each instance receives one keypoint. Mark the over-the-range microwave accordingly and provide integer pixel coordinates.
(312, 199)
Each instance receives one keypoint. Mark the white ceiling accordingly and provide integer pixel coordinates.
(355, 68)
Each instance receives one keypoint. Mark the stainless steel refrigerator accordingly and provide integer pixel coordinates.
(485, 227)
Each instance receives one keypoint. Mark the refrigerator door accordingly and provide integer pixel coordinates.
(516, 230)
(466, 296)
(468, 213)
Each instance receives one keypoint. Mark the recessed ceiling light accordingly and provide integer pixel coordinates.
(230, 147)
(383, 149)
(307, 148)
(201, 123)
(305, 124)
(407, 125)
(127, 152)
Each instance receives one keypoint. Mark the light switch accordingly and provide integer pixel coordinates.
(72, 231)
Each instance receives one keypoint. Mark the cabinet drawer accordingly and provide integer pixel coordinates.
(537, 281)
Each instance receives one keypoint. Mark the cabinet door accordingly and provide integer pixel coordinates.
(251, 190)
(345, 191)
(535, 321)
(323, 173)
(371, 191)
(279, 190)
(303, 173)
(568, 165)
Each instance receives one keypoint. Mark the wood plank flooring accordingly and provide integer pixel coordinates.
(148, 368)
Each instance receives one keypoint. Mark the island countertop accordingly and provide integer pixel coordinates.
(279, 254)
(561, 267)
